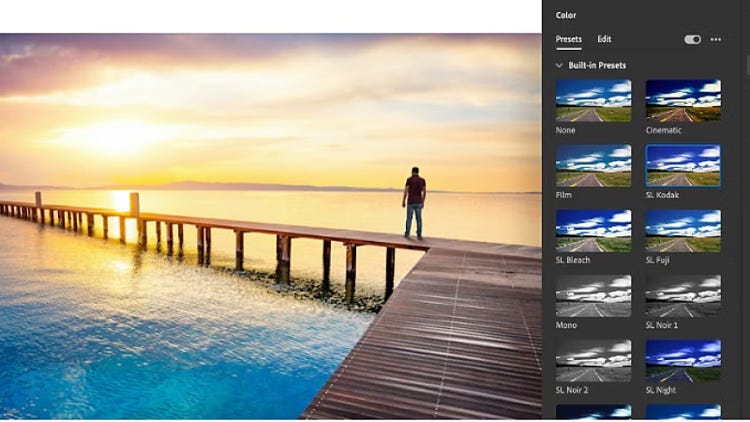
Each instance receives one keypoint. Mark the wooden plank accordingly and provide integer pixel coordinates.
(456, 340)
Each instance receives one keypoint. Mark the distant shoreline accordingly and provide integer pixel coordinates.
(256, 187)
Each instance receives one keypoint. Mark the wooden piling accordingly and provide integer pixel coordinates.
(80, 221)
(239, 254)
(170, 239)
(326, 285)
(90, 224)
(63, 219)
(283, 258)
(390, 267)
(201, 248)
(122, 229)
(207, 237)
(180, 236)
(142, 232)
(158, 232)
(105, 226)
(351, 272)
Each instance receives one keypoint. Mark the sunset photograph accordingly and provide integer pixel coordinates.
(223, 226)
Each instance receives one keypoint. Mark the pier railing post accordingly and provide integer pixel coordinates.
(135, 204)
(283, 258)
(390, 266)
(38, 210)
(351, 272)
(326, 285)
(239, 253)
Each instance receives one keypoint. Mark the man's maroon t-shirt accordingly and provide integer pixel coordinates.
(415, 184)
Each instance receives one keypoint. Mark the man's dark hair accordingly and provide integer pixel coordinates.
(415, 170)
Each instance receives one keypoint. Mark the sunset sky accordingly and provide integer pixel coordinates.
(354, 110)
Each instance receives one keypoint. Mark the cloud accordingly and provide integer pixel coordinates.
(621, 347)
(711, 347)
(713, 152)
(593, 222)
(623, 87)
(595, 92)
(622, 412)
(621, 217)
(712, 87)
(714, 281)
(624, 152)
(624, 281)
(711, 217)
(711, 412)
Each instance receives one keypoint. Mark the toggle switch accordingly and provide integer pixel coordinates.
(692, 39)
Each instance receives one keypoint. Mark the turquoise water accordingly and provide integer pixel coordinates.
(94, 329)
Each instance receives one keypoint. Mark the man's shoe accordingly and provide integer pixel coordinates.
(406, 235)
(419, 237)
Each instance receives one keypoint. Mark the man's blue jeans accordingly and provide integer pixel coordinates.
(412, 209)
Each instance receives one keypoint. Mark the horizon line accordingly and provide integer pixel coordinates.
(201, 185)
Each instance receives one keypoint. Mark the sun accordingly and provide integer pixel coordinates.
(115, 138)
(120, 200)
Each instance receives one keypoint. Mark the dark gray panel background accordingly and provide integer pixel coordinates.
(648, 36)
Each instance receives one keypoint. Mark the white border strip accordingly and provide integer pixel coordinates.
(273, 16)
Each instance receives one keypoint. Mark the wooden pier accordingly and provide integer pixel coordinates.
(460, 337)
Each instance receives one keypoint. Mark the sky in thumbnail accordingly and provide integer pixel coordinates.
(594, 288)
(684, 158)
(593, 411)
(594, 93)
(683, 411)
(599, 223)
(690, 353)
(354, 110)
(595, 353)
(684, 288)
(687, 93)
(596, 158)
(683, 223)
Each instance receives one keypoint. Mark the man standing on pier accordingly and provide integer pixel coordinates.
(414, 195)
